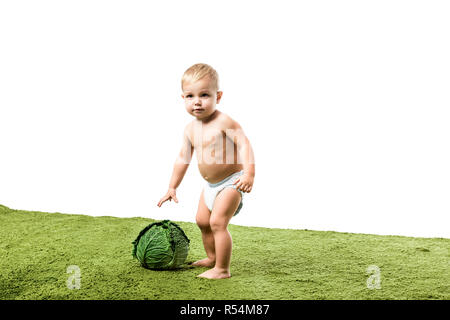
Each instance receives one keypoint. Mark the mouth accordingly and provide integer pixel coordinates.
(199, 110)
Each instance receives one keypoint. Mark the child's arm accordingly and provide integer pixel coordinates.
(246, 155)
(179, 169)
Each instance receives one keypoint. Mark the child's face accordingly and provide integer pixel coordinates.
(200, 98)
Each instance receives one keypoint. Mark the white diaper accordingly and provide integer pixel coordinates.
(212, 189)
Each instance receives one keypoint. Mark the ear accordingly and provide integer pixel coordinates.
(182, 96)
(219, 96)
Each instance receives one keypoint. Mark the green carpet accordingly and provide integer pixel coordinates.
(36, 248)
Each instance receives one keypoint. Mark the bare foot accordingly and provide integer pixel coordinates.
(207, 262)
(215, 274)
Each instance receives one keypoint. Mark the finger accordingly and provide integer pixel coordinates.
(163, 199)
(175, 199)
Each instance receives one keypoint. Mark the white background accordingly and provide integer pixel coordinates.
(346, 104)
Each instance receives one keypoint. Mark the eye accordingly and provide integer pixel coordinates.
(205, 95)
(189, 96)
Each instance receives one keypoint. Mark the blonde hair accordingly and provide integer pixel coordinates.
(199, 71)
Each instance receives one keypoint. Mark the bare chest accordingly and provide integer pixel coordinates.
(208, 138)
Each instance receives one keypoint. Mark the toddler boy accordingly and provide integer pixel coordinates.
(225, 160)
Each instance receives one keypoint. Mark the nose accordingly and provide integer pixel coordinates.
(197, 101)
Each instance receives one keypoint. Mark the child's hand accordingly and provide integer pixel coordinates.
(244, 183)
(171, 194)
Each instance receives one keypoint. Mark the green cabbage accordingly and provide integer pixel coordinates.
(161, 245)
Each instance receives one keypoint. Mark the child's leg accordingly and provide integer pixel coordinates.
(225, 205)
(202, 219)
